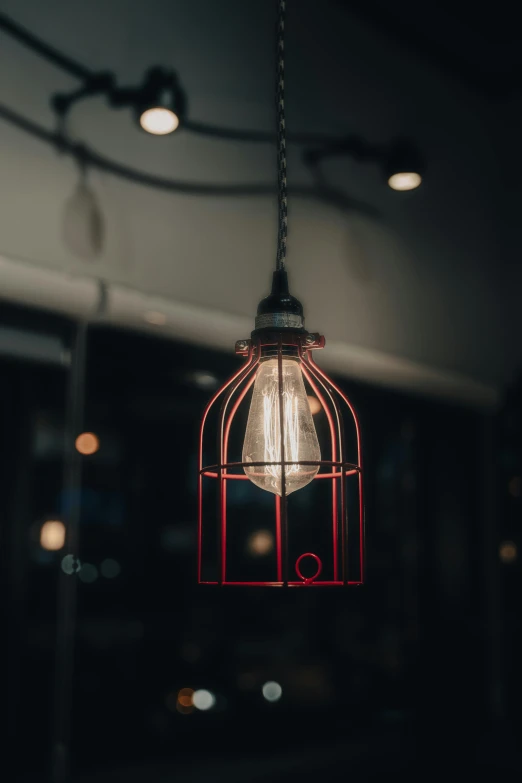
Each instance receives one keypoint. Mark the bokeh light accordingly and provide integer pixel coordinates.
(260, 543)
(52, 535)
(71, 565)
(184, 701)
(508, 551)
(87, 443)
(315, 405)
(110, 568)
(186, 697)
(203, 700)
(204, 380)
(272, 691)
(88, 573)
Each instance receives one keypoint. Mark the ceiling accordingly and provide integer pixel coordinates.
(479, 44)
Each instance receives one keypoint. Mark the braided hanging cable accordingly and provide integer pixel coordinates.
(281, 139)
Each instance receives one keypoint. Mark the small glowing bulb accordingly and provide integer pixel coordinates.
(405, 180)
(87, 443)
(159, 121)
(272, 691)
(263, 431)
(52, 535)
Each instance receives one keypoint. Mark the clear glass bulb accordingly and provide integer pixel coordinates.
(263, 431)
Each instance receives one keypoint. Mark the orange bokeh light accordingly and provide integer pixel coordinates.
(515, 487)
(261, 542)
(185, 697)
(87, 443)
(315, 405)
(508, 551)
(52, 535)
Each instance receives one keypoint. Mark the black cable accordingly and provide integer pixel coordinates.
(257, 137)
(88, 157)
(91, 158)
(282, 195)
(51, 54)
(74, 68)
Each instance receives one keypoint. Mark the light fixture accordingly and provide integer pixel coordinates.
(160, 103)
(403, 166)
(83, 224)
(159, 121)
(280, 449)
(405, 180)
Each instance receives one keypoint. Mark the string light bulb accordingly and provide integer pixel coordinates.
(160, 103)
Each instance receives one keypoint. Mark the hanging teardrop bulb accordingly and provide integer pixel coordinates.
(263, 442)
(83, 223)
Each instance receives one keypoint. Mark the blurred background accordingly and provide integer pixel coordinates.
(130, 263)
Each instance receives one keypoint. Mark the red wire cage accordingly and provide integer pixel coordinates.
(317, 540)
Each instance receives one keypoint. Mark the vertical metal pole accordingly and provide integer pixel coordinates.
(66, 614)
(284, 508)
(494, 637)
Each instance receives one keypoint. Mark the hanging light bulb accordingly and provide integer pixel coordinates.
(83, 223)
(160, 103)
(281, 452)
(264, 441)
(263, 433)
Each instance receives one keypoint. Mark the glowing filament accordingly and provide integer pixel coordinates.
(263, 433)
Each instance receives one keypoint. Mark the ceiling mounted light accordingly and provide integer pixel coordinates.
(405, 180)
(403, 166)
(268, 441)
(159, 121)
(160, 103)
